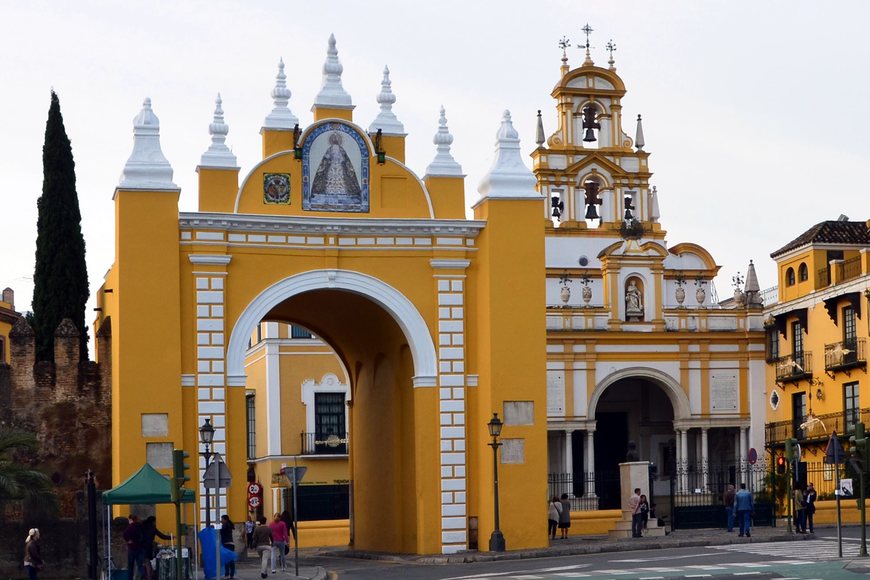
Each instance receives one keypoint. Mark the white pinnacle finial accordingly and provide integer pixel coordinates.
(508, 177)
(147, 168)
(281, 117)
(654, 212)
(332, 93)
(539, 133)
(218, 154)
(638, 136)
(386, 120)
(444, 164)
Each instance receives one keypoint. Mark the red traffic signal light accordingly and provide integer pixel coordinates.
(780, 465)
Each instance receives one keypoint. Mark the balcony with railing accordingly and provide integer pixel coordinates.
(844, 356)
(819, 429)
(322, 444)
(794, 367)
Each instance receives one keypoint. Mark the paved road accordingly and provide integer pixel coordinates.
(813, 559)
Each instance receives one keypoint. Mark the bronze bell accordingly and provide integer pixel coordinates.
(591, 212)
(558, 207)
(589, 123)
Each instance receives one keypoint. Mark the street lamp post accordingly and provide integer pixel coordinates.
(496, 540)
(206, 435)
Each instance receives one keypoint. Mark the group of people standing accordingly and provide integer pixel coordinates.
(559, 515)
(638, 505)
(804, 508)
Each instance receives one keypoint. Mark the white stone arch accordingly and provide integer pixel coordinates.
(390, 299)
(676, 394)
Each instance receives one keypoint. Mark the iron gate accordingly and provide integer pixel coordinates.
(697, 494)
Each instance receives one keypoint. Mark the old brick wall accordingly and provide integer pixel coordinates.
(66, 404)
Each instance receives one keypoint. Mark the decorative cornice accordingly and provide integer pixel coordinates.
(218, 260)
(335, 226)
(449, 264)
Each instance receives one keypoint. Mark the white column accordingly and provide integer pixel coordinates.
(741, 453)
(589, 454)
(684, 452)
(704, 458)
(737, 447)
(678, 460)
(569, 452)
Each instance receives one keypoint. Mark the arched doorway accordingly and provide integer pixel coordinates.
(632, 412)
(362, 319)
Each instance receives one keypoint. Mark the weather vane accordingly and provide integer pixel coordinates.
(587, 30)
(564, 43)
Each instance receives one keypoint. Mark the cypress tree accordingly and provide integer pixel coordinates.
(60, 278)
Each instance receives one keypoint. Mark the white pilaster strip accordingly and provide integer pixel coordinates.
(452, 403)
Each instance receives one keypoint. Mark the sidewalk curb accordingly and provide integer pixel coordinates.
(567, 550)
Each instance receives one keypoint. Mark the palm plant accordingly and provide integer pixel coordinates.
(18, 480)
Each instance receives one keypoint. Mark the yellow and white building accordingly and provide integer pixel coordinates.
(333, 233)
(638, 349)
(8, 317)
(817, 339)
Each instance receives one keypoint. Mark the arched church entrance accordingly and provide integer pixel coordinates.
(634, 419)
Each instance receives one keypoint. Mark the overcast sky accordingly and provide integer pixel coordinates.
(755, 113)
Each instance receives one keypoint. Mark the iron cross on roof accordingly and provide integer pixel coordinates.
(610, 48)
(564, 43)
(587, 30)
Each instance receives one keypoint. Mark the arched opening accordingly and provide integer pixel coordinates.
(383, 344)
(789, 277)
(803, 273)
(632, 410)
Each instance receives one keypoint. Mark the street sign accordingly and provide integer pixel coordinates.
(834, 452)
(294, 474)
(217, 469)
(753, 456)
(845, 488)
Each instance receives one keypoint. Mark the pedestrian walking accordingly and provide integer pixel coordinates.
(554, 509)
(262, 540)
(249, 533)
(33, 561)
(565, 516)
(634, 509)
(280, 539)
(743, 509)
(227, 542)
(728, 500)
(810, 509)
(800, 525)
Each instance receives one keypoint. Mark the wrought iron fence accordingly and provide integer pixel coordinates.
(842, 355)
(320, 444)
(794, 367)
(842, 422)
(586, 491)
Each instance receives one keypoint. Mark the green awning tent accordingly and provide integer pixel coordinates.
(146, 486)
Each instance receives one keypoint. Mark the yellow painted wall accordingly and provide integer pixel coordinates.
(510, 337)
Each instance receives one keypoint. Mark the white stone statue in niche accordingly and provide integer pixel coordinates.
(633, 302)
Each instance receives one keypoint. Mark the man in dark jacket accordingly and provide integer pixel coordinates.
(810, 500)
(135, 548)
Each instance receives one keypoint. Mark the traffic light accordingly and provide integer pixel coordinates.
(861, 447)
(179, 474)
(780, 465)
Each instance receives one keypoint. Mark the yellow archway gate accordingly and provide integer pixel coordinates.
(438, 319)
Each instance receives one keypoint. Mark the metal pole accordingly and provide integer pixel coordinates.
(496, 540)
(217, 519)
(789, 471)
(839, 516)
(179, 563)
(295, 521)
(863, 552)
(93, 557)
(207, 456)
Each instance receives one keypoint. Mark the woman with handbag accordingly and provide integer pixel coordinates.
(553, 512)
